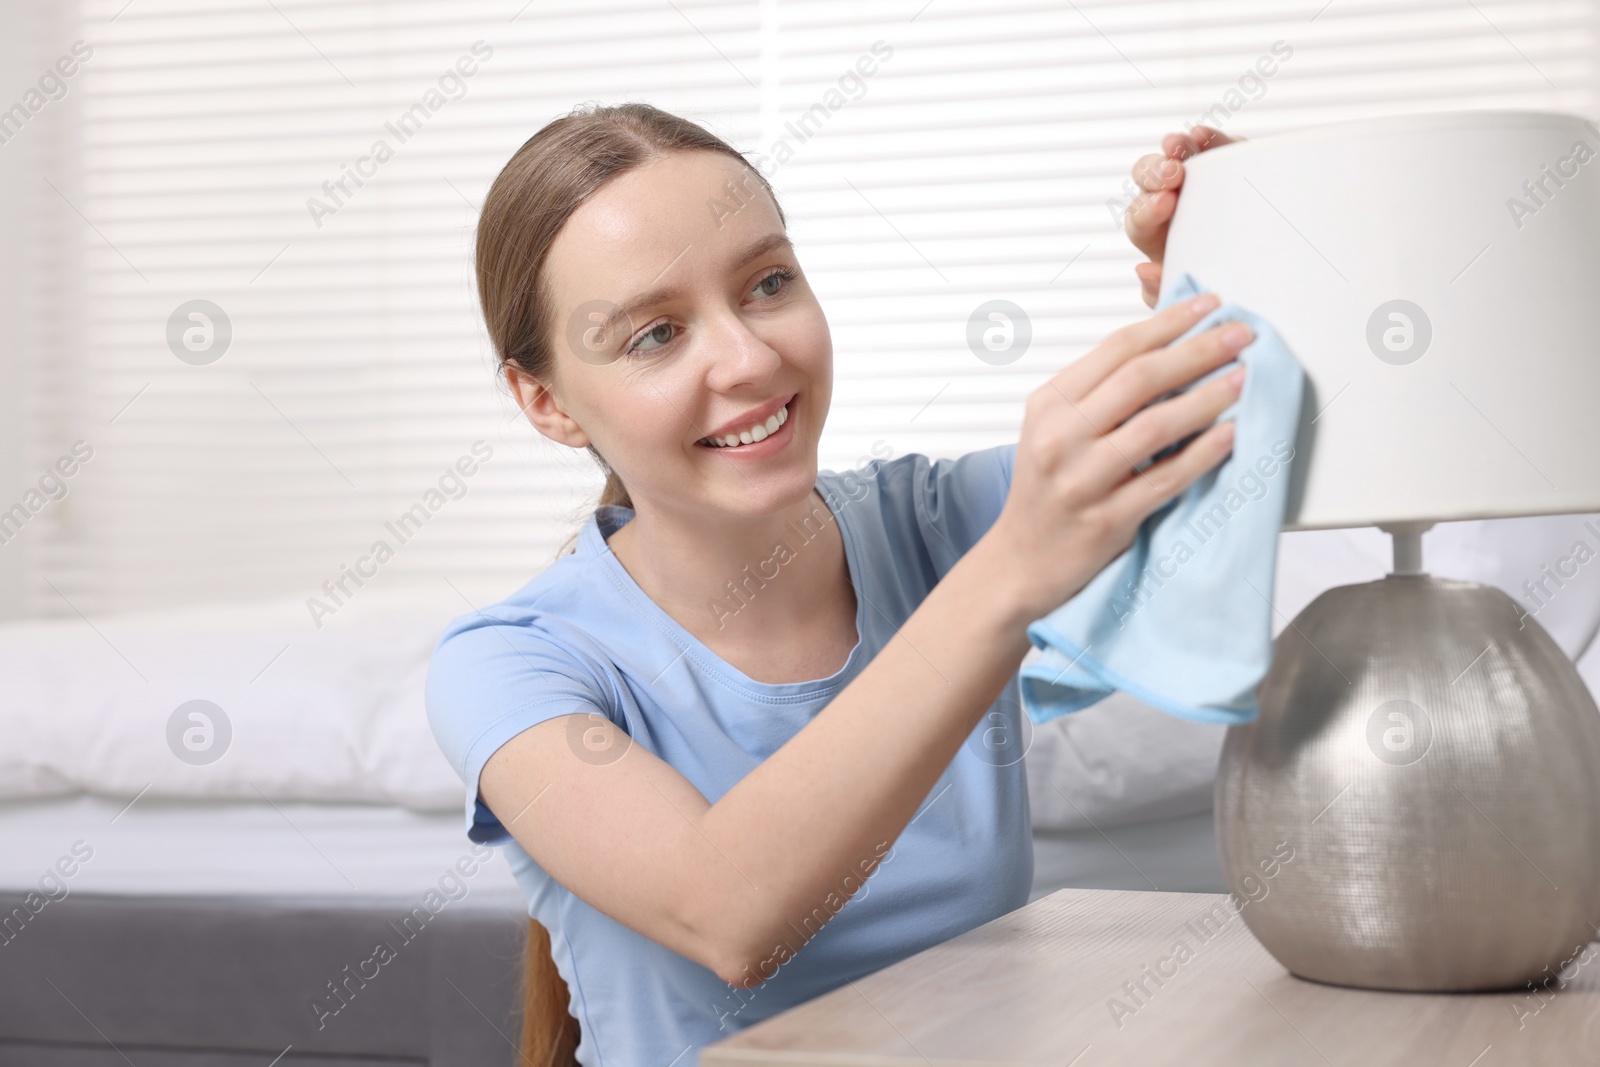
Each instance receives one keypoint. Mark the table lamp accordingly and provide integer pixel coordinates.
(1424, 748)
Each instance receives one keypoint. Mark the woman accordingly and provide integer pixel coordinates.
(754, 686)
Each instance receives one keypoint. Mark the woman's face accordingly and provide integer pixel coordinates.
(681, 313)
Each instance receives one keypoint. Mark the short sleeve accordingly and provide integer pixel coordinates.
(952, 502)
(490, 678)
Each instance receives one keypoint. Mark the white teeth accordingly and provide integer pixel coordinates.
(759, 432)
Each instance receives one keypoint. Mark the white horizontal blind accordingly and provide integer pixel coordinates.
(358, 374)
(977, 164)
(973, 162)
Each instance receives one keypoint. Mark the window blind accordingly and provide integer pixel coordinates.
(932, 155)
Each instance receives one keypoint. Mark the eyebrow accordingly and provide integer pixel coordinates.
(662, 293)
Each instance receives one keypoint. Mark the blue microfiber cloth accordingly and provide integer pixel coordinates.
(1182, 620)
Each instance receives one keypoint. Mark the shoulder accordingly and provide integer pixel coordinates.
(520, 660)
(545, 624)
(935, 508)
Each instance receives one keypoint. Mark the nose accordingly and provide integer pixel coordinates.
(737, 355)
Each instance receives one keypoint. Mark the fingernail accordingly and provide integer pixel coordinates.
(1237, 335)
(1168, 169)
(1236, 377)
(1204, 303)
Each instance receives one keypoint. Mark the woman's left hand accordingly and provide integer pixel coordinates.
(1159, 175)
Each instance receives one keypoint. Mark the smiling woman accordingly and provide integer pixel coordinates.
(693, 805)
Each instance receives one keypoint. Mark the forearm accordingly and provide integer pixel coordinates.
(815, 818)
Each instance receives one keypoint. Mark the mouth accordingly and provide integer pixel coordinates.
(761, 439)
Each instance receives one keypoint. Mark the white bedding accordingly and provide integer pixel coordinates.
(335, 714)
(284, 849)
(1120, 792)
(330, 714)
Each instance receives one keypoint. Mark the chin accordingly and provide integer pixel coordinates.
(767, 493)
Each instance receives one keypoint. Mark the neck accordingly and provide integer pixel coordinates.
(745, 580)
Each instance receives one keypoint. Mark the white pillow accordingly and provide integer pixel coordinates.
(323, 714)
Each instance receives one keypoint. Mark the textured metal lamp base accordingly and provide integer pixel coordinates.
(1432, 758)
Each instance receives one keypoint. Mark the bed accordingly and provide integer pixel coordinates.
(207, 933)
(228, 908)
(287, 877)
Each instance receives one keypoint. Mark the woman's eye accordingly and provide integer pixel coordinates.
(773, 283)
(661, 333)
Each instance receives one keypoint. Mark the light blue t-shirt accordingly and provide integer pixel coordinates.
(582, 637)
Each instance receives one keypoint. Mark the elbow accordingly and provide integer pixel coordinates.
(746, 970)
(711, 944)
(741, 938)
(750, 957)
(743, 960)
(736, 974)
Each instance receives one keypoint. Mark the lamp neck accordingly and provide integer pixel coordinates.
(1407, 545)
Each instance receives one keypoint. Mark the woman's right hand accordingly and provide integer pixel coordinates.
(1075, 500)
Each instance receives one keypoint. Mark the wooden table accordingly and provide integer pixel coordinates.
(1059, 982)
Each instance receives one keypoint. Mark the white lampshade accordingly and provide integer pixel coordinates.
(1438, 277)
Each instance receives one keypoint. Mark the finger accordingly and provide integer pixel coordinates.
(1179, 146)
(1149, 275)
(1150, 432)
(1182, 146)
(1156, 426)
(1077, 379)
(1148, 216)
(1110, 462)
(1144, 492)
(1206, 137)
(1144, 171)
(1147, 219)
(1155, 172)
(1128, 392)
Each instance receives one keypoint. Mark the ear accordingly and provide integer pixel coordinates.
(543, 410)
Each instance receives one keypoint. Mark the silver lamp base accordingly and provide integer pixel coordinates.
(1432, 758)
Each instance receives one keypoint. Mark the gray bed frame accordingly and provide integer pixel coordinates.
(172, 981)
